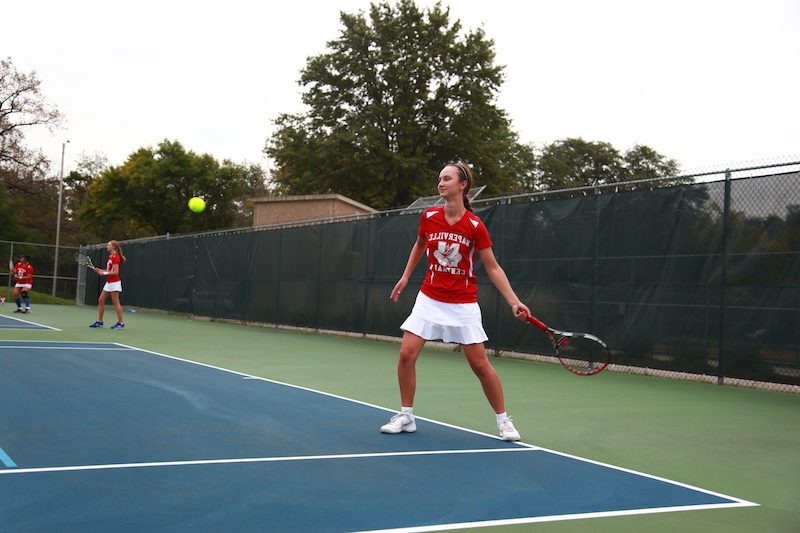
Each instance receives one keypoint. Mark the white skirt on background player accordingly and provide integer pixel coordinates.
(113, 286)
(434, 320)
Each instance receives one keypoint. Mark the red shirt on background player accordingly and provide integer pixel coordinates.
(23, 282)
(446, 307)
(113, 273)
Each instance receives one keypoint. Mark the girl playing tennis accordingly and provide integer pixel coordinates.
(23, 282)
(112, 287)
(447, 304)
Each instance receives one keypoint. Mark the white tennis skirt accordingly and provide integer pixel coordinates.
(435, 320)
(115, 286)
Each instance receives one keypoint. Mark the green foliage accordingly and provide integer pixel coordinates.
(32, 203)
(147, 195)
(22, 105)
(642, 162)
(27, 196)
(397, 95)
(574, 162)
(10, 228)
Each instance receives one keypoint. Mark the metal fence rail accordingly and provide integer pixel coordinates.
(58, 281)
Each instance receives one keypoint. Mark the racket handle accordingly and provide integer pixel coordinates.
(536, 322)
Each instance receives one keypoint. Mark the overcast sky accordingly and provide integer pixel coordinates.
(710, 83)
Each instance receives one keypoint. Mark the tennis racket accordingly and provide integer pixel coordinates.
(10, 265)
(580, 353)
(84, 260)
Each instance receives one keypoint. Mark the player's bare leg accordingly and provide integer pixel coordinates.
(403, 422)
(117, 306)
(101, 305)
(483, 369)
(406, 367)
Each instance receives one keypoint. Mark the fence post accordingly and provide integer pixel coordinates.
(498, 341)
(726, 211)
(278, 281)
(367, 276)
(595, 253)
(193, 289)
(12, 263)
(80, 283)
(166, 271)
(319, 273)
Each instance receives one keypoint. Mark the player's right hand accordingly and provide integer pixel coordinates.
(398, 288)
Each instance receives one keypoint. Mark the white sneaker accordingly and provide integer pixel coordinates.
(508, 431)
(400, 422)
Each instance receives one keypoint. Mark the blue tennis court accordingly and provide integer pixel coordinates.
(99, 434)
(13, 322)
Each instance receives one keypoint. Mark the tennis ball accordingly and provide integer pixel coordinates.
(196, 204)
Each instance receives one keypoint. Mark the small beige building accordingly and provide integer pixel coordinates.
(287, 209)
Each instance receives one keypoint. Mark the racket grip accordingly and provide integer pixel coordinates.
(536, 322)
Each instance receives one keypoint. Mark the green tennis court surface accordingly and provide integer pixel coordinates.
(730, 441)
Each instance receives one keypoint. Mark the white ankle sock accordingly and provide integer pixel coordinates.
(501, 417)
(407, 411)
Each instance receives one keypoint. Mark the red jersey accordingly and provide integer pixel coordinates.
(24, 273)
(451, 254)
(114, 259)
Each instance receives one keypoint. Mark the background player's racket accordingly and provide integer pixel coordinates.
(580, 353)
(84, 260)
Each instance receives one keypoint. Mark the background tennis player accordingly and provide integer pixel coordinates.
(23, 282)
(113, 286)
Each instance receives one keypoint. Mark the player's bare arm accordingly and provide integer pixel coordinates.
(417, 251)
(498, 277)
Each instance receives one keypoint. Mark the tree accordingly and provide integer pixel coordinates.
(87, 169)
(147, 195)
(397, 95)
(642, 163)
(22, 106)
(574, 162)
(29, 195)
(10, 229)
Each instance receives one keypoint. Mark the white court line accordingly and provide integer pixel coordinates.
(27, 322)
(558, 518)
(66, 342)
(735, 502)
(259, 378)
(112, 466)
(26, 347)
(744, 503)
(738, 501)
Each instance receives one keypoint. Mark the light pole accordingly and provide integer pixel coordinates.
(58, 217)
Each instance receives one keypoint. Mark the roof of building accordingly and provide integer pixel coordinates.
(313, 198)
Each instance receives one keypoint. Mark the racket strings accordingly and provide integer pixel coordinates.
(83, 259)
(583, 354)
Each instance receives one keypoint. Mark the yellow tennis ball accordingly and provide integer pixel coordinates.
(196, 204)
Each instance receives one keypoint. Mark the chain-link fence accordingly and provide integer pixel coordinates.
(695, 281)
(55, 271)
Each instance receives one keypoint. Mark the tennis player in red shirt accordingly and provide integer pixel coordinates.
(112, 287)
(23, 282)
(447, 308)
